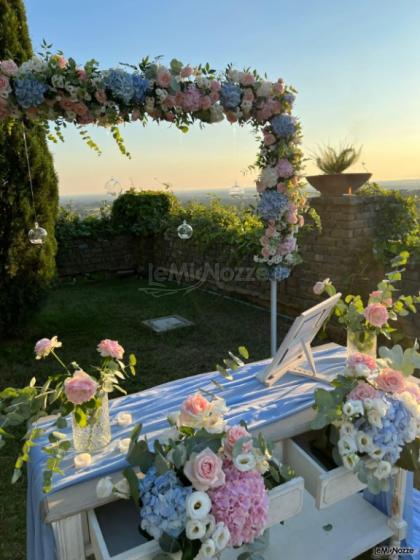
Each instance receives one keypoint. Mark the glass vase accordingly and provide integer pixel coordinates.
(361, 341)
(97, 434)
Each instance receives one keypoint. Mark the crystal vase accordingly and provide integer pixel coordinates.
(97, 433)
(361, 341)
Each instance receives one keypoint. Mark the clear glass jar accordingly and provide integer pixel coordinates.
(361, 341)
(97, 434)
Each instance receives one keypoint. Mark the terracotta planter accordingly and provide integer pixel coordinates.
(338, 183)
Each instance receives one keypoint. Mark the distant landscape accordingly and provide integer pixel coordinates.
(90, 203)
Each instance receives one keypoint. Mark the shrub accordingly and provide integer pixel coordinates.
(25, 269)
(70, 224)
(330, 160)
(397, 226)
(142, 212)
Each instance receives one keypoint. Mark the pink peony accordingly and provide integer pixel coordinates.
(5, 88)
(8, 67)
(233, 435)
(80, 388)
(363, 391)
(391, 381)
(285, 168)
(186, 72)
(241, 504)
(362, 359)
(110, 349)
(204, 470)
(163, 77)
(45, 346)
(192, 409)
(376, 314)
(377, 297)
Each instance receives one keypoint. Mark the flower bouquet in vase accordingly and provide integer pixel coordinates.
(374, 415)
(73, 392)
(364, 323)
(204, 486)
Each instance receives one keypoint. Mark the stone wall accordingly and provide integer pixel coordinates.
(342, 251)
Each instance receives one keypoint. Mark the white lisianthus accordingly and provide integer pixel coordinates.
(245, 462)
(383, 470)
(375, 418)
(208, 549)
(104, 487)
(221, 536)
(210, 523)
(264, 89)
(351, 408)
(346, 445)
(350, 461)
(347, 429)
(198, 505)
(195, 529)
(269, 177)
(364, 442)
(376, 453)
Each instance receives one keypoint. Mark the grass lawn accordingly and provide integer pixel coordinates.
(84, 313)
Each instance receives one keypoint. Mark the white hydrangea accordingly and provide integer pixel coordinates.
(202, 82)
(268, 177)
(34, 65)
(234, 75)
(264, 89)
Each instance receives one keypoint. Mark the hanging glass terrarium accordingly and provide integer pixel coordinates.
(185, 231)
(37, 235)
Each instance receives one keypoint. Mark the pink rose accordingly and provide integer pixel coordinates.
(391, 381)
(86, 118)
(247, 79)
(233, 435)
(270, 231)
(110, 349)
(80, 388)
(8, 67)
(61, 61)
(66, 104)
(169, 102)
(269, 139)
(204, 470)
(5, 88)
(100, 96)
(285, 168)
(363, 391)
(80, 109)
(377, 297)
(360, 359)
(45, 346)
(186, 72)
(376, 314)
(192, 409)
(81, 73)
(292, 218)
(265, 252)
(319, 288)
(163, 77)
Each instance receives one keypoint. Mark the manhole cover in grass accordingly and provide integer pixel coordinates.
(169, 323)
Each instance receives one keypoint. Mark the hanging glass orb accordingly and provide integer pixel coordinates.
(37, 235)
(185, 231)
(113, 187)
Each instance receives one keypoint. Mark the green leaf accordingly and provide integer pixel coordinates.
(243, 351)
(179, 456)
(132, 360)
(161, 464)
(61, 423)
(133, 483)
(328, 527)
(140, 456)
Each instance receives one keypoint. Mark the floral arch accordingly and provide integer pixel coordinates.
(53, 88)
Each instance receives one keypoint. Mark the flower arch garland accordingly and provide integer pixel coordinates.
(52, 88)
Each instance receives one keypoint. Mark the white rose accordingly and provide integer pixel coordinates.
(82, 460)
(124, 444)
(364, 442)
(104, 487)
(346, 445)
(350, 461)
(264, 89)
(233, 75)
(221, 536)
(124, 419)
(208, 549)
(245, 462)
(269, 177)
(214, 424)
(347, 429)
(198, 505)
(195, 529)
(173, 418)
(383, 470)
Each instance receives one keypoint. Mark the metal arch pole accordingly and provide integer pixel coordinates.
(273, 299)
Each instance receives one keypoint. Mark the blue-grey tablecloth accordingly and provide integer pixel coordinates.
(247, 399)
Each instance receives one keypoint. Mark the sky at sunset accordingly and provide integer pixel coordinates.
(355, 63)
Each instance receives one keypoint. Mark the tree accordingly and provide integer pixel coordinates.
(25, 269)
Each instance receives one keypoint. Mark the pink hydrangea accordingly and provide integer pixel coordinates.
(287, 246)
(80, 388)
(8, 67)
(285, 168)
(241, 504)
(361, 359)
(363, 391)
(110, 349)
(191, 100)
(391, 381)
(233, 435)
(45, 346)
(376, 314)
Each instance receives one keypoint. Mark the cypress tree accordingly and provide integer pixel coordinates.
(25, 269)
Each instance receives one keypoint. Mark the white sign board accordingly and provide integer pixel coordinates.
(296, 346)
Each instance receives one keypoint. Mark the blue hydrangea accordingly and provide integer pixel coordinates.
(120, 83)
(272, 204)
(140, 87)
(163, 501)
(29, 92)
(279, 272)
(230, 95)
(283, 126)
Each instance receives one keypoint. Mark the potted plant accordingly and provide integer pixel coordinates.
(333, 163)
